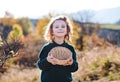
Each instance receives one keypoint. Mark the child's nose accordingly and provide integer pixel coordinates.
(60, 28)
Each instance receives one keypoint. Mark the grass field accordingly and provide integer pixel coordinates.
(110, 26)
(104, 63)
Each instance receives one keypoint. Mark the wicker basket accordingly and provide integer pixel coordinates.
(61, 53)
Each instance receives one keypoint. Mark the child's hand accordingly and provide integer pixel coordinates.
(62, 62)
(69, 61)
(51, 59)
(65, 62)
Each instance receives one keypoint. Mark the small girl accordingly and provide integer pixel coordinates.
(55, 70)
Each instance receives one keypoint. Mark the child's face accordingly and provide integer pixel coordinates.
(59, 28)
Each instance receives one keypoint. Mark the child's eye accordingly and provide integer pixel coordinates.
(63, 26)
(56, 27)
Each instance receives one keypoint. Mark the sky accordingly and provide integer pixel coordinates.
(38, 8)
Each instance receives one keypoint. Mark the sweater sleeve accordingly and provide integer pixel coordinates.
(74, 66)
(42, 62)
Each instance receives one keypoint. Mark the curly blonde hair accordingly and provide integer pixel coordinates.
(49, 31)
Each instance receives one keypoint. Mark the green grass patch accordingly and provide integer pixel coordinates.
(110, 26)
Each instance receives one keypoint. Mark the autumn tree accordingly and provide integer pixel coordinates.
(76, 35)
(41, 26)
(15, 34)
(8, 19)
(26, 25)
(7, 24)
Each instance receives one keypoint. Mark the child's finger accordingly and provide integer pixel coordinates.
(48, 53)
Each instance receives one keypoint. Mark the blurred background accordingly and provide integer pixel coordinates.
(96, 37)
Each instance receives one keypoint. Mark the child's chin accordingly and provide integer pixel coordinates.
(60, 35)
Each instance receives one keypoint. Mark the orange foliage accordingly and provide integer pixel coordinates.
(92, 41)
(41, 26)
(8, 21)
(76, 34)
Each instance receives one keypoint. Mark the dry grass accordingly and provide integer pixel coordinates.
(20, 75)
(89, 62)
(93, 61)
